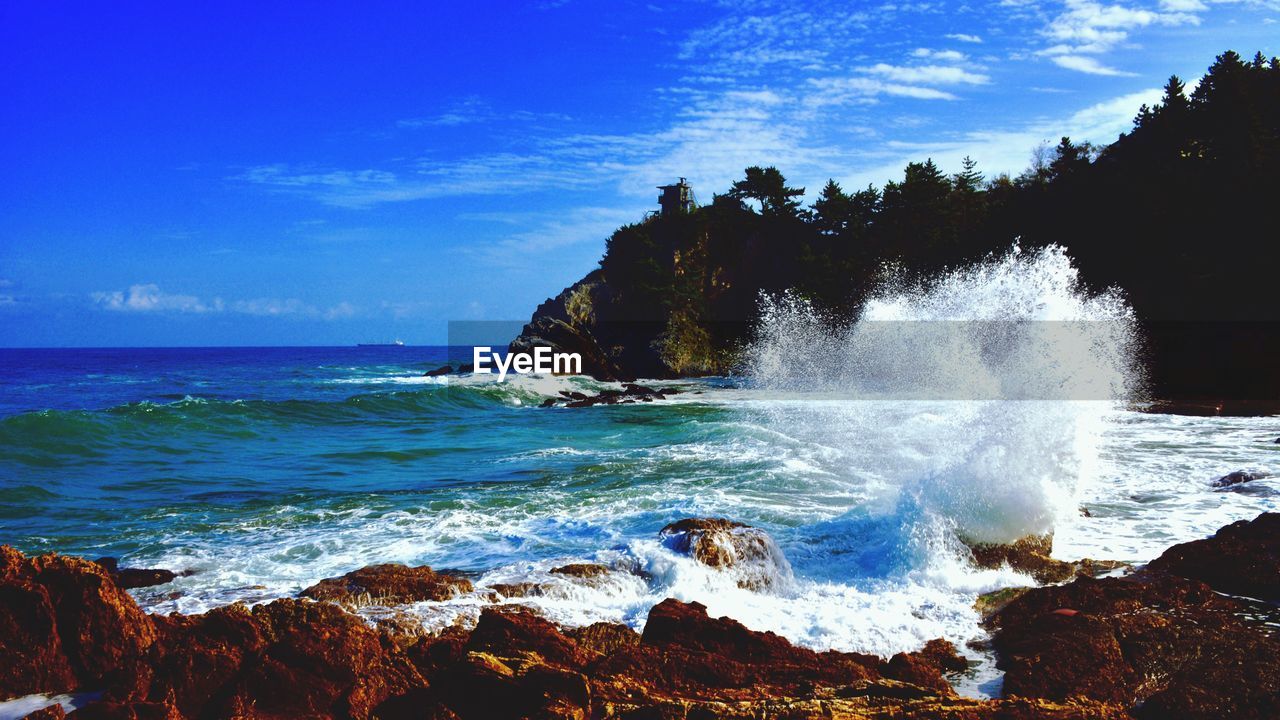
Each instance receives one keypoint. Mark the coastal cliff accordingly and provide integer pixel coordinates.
(1173, 214)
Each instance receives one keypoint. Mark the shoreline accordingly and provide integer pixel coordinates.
(1056, 643)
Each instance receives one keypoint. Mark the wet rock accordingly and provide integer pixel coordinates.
(466, 368)
(1031, 555)
(581, 570)
(131, 578)
(52, 712)
(64, 624)
(628, 395)
(919, 672)
(388, 584)
(990, 603)
(942, 655)
(438, 372)
(748, 552)
(1242, 558)
(517, 590)
(1164, 645)
(517, 632)
(721, 652)
(288, 658)
(1238, 477)
(604, 638)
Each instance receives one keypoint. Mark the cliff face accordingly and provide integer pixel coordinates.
(1175, 214)
(578, 321)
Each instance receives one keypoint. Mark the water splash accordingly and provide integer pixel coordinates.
(974, 400)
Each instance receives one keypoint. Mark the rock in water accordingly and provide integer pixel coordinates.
(1242, 558)
(747, 553)
(438, 372)
(581, 570)
(388, 584)
(1169, 643)
(1238, 477)
(1030, 555)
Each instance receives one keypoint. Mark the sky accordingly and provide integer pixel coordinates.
(273, 174)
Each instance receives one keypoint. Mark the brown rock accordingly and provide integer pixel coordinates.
(604, 637)
(389, 584)
(1030, 555)
(52, 712)
(64, 624)
(1169, 643)
(728, 545)
(288, 658)
(518, 632)
(1242, 558)
(518, 590)
(582, 570)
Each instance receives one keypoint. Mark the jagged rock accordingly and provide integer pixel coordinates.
(581, 570)
(1171, 644)
(516, 590)
(130, 578)
(628, 395)
(388, 584)
(294, 658)
(509, 632)
(64, 624)
(1242, 558)
(288, 658)
(438, 372)
(1031, 555)
(746, 551)
(990, 603)
(604, 637)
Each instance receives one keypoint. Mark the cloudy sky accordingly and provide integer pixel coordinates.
(176, 176)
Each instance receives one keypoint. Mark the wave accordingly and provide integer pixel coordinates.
(973, 402)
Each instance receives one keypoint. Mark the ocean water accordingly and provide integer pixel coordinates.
(992, 404)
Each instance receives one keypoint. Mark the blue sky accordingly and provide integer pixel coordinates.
(254, 175)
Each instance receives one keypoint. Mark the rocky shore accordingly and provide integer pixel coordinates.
(1187, 636)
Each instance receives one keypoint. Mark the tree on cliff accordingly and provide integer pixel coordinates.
(768, 187)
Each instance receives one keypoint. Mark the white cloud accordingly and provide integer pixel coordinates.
(1086, 27)
(943, 55)
(926, 74)
(1183, 5)
(964, 37)
(149, 298)
(1086, 65)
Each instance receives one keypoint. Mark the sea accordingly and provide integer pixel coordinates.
(997, 401)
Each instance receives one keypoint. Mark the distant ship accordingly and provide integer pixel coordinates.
(397, 343)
